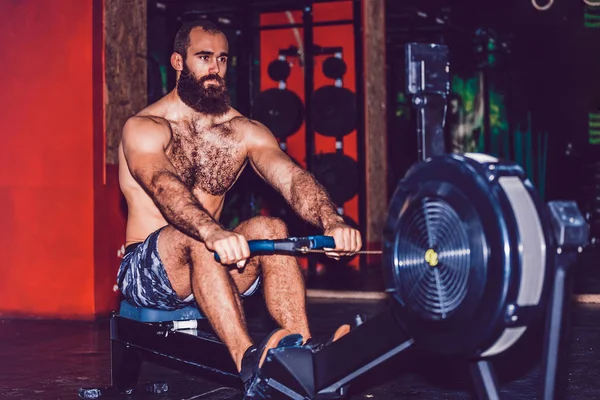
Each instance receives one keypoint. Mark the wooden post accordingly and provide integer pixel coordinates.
(119, 92)
(375, 122)
(125, 25)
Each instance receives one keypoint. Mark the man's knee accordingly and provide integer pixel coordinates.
(178, 247)
(270, 227)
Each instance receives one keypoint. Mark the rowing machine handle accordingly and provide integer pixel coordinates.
(288, 245)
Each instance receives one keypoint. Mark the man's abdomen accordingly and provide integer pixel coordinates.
(141, 223)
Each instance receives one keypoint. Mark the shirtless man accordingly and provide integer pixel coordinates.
(177, 160)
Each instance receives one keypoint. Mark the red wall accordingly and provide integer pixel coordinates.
(47, 154)
(109, 236)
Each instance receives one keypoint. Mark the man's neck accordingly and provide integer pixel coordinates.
(186, 113)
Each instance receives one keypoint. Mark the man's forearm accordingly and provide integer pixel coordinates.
(309, 199)
(179, 206)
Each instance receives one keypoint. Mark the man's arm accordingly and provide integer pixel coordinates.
(144, 141)
(307, 197)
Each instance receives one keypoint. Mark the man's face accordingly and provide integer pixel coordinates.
(201, 84)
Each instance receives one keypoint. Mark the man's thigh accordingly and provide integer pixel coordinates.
(150, 279)
(256, 228)
(175, 250)
(246, 277)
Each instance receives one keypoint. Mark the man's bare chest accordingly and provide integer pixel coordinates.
(209, 160)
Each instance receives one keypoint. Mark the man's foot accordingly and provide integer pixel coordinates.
(339, 332)
(254, 359)
(343, 330)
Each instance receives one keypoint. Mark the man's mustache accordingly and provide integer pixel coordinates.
(209, 77)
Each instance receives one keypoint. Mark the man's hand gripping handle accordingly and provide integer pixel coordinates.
(289, 245)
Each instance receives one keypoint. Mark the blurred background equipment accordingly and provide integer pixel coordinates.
(280, 109)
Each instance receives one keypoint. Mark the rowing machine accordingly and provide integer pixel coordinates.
(472, 260)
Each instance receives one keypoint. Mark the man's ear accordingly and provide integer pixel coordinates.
(177, 61)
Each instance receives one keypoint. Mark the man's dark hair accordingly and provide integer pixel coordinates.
(182, 38)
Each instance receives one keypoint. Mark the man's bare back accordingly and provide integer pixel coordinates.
(207, 154)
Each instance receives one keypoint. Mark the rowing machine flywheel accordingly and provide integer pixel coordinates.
(467, 254)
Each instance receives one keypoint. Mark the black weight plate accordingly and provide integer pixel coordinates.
(338, 173)
(280, 110)
(278, 70)
(334, 68)
(334, 111)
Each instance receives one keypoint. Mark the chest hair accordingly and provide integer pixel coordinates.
(208, 159)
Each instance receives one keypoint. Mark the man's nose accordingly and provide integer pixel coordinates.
(214, 67)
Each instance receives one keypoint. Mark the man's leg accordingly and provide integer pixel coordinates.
(191, 268)
(283, 283)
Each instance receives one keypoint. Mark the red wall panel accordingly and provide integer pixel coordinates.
(46, 159)
(109, 237)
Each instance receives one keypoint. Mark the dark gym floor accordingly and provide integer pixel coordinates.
(52, 359)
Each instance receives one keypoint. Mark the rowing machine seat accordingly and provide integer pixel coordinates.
(142, 314)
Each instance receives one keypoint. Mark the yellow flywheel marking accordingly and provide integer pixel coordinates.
(431, 257)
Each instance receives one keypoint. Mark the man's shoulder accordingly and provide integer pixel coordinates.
(147, 123)
(146, 129)
(147, 120)
(152, 116)
(249, 126)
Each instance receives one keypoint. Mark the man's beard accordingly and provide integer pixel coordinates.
(211, 99)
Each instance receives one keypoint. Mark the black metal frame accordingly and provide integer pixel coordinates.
(199, 351)
(357, 12)
(225, 6)
(429, 98)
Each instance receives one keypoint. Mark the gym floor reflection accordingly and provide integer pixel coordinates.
(52, 359)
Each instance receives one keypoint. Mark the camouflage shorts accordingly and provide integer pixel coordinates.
(143, 281)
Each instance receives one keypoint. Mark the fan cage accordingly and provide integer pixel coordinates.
(432, 258)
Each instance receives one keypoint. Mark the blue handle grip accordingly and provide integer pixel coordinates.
(321, 242)
(261, 245)
(289, 244)
(267, 246)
